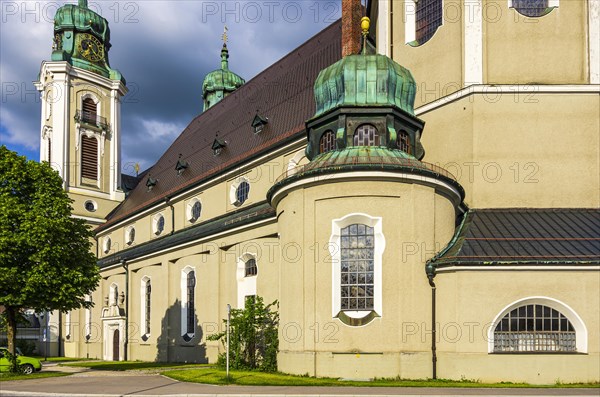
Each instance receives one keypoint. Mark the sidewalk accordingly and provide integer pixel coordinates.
(132, 383)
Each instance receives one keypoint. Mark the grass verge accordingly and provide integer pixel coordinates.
(6, 376)
(59, 359)
(249, 378)
(127, 365)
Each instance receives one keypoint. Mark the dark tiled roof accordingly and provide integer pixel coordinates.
(525, 236)
(283, 93)
(223, 223)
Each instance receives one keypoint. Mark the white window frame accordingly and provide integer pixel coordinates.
(155, 220)
(233, 191)
(113, 295)
(581, 334)
(106, 244)
(245, 285)
(551, 4)
(184, 300)
(190, 210)
(335, 251)
(128, 239)
(68, 325)
(88, 318)
(410, 21)
(143, 322)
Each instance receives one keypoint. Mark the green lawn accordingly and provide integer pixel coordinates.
(126, 365)
(217, 377)
(6, 376)
(60, 359)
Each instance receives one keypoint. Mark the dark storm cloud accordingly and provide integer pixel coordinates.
(163, 48)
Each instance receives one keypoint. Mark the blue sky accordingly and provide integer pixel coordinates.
(163, 48)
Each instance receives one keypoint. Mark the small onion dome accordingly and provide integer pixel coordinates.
(365, 80)
(83, 20)
(221, 81)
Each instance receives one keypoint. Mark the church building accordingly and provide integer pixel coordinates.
(400, 184)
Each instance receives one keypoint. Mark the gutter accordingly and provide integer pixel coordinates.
(430, 269)
(125, 343)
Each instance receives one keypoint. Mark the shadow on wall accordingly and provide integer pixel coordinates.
(174, 344)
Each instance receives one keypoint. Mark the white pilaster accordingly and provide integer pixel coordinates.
(410, 21)
(383, 27)
(473, 63)
(594, 40)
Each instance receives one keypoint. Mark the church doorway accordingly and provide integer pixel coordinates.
(116, 342)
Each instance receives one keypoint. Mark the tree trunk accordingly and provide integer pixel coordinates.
(11, 334)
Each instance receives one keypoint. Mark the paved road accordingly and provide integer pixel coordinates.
(113, 384)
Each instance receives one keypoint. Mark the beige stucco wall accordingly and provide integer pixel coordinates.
(468, 303)
(536, 150)
(313, 341)
(545, 50)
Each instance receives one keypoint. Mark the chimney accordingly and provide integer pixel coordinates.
(351, 33)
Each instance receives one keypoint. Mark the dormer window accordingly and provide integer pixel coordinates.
(259, 123)
(218, 146)
(151, 182)
(181, 165)
(366, 135)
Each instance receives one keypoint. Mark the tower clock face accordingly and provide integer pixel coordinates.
(90, 48)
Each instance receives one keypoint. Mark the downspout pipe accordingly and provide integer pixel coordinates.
(126, 342)
(430, 269)
(168, 202)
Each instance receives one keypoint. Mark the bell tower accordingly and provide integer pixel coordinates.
(81, 100)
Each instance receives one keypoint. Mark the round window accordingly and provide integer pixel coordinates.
(195, 211)
(90, 206)
(159, 225)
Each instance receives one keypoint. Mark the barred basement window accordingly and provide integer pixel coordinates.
(357, 267)
(191, 286)
(327, 142)
(251, 269)
(404, 142)
(429, 16)
(366, 135)
(531, 8)
(534, 328)
(90, 111)
(89, 158)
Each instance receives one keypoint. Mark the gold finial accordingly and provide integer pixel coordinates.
(365, 24)
(136, 167)
(224, 36)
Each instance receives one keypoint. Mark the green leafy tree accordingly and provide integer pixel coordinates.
(253, 338)
(46, 262)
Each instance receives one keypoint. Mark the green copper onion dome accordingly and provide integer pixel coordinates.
(221, 82)
(82, 38)
(364, 80)
(81, 19)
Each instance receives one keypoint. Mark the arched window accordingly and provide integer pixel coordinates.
(327, 142)
(357, 267)
(188, 296)
(366, 135)
(404, 142)
(89, 158)
(251, 269)
(146, 298)
(531, 8)
(534, 328)
(191, 288)
(89, 112)
(429, 16)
